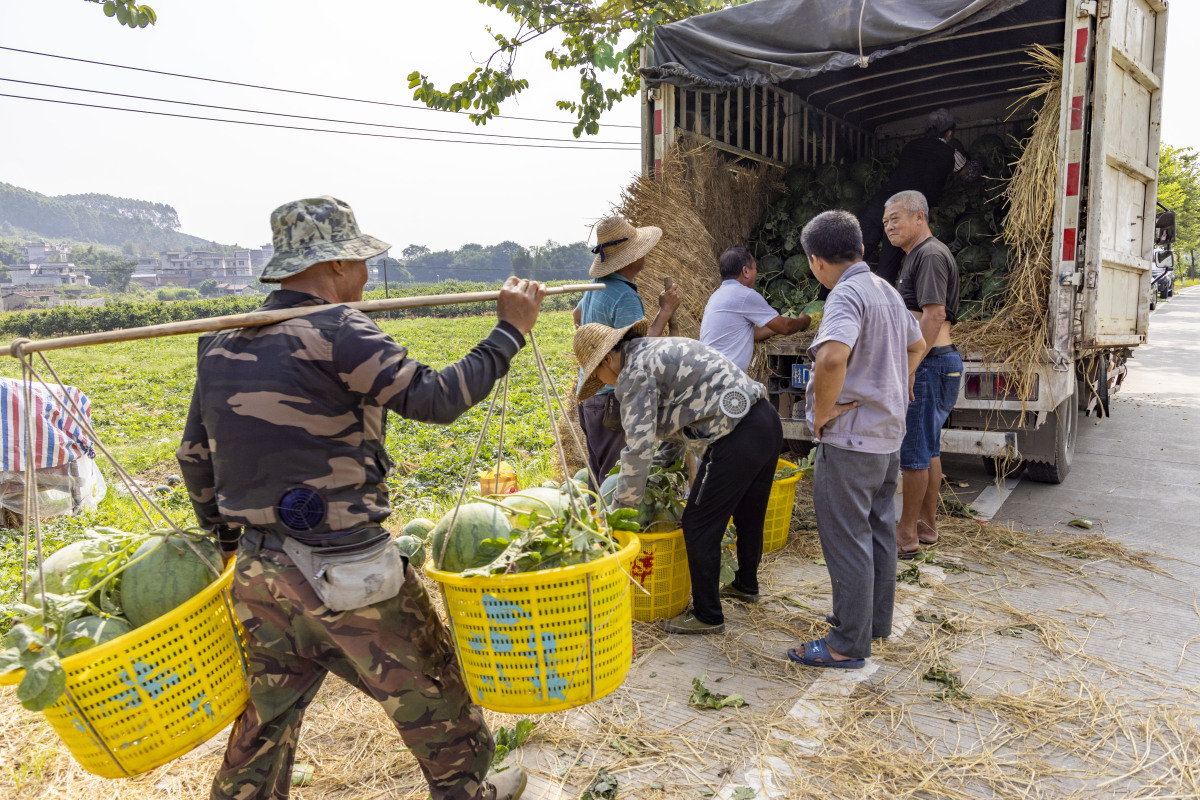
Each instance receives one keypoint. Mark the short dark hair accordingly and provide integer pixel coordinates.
(733, 261)
(834, 236)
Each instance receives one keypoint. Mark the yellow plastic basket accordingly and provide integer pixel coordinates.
(155, 693)
(662, 570)
(544, 641)
(779, 510)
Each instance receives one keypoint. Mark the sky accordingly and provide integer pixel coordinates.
(224, 179)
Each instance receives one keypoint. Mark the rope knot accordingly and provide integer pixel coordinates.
(17, 348)
(599, 249)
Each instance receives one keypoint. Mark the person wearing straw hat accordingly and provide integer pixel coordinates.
(620, 256)
(285, 441)
(682, 394)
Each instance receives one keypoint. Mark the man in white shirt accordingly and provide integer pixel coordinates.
(737, 316)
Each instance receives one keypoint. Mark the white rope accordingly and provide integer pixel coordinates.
(862, 59)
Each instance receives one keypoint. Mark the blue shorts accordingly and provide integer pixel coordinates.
(934, 394)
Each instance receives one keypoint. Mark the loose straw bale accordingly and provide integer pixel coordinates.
(703, 207)
(1016, 336)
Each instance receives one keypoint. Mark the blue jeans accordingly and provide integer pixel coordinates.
(934, 394)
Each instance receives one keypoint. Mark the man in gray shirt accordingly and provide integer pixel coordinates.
(865, 349)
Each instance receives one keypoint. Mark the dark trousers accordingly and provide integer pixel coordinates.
(603, 446)
(734, 481)
(854, 495)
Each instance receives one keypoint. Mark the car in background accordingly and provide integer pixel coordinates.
(1162, 276)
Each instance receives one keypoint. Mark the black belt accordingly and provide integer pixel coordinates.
(256, 539)
(941, 350)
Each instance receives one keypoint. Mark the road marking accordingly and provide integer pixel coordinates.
(818, 708)
(987, 504)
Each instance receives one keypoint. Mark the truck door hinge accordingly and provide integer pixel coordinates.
(1072, 279)
(1087, 8)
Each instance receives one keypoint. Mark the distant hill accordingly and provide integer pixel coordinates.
(93, 218)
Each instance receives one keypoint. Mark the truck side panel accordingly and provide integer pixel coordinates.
(1129, 55)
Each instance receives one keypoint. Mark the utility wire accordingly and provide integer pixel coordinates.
(276, 89)
(301, 116)
(316, 130)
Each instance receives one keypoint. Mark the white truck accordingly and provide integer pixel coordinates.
(811, 81)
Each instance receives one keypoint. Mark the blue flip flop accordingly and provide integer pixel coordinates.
(816, 654)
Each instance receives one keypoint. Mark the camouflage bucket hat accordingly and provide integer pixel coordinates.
(307, 232)
(593, 342)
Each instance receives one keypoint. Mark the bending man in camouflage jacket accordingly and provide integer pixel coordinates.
(285, 438)
(685, 394)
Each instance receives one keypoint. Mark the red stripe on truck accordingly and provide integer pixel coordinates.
(658, 122)
(1081, 41)
(1068, 244)
(1077, 113)
(1073, 179)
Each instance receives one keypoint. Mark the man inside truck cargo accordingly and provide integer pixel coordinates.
(862, 356)
(925, 164)
(737, 316)
(285, 441)
(620, 256)
(929, 285)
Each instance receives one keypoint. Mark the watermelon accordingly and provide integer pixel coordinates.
(863, 170)
(418, 528)
(544, 503)
(172, 572)
(974, 259)
(581, 477)
(98, 629)
(797, 178)
(609, 488)
(829, 175)
(851, 191)
(769, 264)
(802, 214)
(973, 229)
(815, 307)
(474, 523)
(797, 268)
(413, 548)
(55, 567)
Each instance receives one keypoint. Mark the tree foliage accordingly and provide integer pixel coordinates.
(596, 37)
(127, 12)
(99, 218)
(1179, 190)
(474, 262)
(103, 267)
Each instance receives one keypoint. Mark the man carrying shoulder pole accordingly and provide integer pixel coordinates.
(284, 441)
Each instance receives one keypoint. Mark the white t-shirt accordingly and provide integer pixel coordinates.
(732, 314)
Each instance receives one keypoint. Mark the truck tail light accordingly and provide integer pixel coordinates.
(994, 386)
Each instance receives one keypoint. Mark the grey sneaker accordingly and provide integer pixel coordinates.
(734, 593)
(506, 785)
(687, 623)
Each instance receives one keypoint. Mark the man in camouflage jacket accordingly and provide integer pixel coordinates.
(285, 439)
(684, 394)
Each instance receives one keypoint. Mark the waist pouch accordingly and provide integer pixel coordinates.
(346, 581)
(611, 418)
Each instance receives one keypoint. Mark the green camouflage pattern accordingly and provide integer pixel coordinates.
(670, 391)
(316, 229)
(396, 651)
(302, 404)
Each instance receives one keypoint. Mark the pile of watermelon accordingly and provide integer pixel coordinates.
(969, 220)
(101, 587)
(545, 527)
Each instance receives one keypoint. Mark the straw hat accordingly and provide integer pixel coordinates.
(620, 244)
(592, 343)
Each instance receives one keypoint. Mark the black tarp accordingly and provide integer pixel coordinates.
(778, 41)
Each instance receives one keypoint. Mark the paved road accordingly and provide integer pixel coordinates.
(1059, 633)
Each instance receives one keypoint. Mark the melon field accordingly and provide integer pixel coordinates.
(140, 392)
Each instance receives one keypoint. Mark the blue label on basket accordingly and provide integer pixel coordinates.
(506, 614)
(145, 680)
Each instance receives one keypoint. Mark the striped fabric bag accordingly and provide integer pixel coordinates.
(57, 439)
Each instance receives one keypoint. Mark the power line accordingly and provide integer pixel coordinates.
(276, 89)
(301, 116)
(315, 130)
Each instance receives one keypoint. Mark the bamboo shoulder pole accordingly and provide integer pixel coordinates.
(255, 319)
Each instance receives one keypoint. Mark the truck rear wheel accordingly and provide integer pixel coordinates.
(1056, 471)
